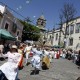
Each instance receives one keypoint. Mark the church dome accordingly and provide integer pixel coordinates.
(42, 17)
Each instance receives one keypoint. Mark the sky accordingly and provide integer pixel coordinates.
(35, 8)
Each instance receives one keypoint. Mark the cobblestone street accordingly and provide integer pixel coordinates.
(60, 69)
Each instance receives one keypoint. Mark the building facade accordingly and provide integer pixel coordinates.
(10, 23)
(73, 34)
(72, 40)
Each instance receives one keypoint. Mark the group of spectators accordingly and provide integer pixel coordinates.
(71, 55)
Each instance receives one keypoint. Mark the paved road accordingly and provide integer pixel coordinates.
(60, 69)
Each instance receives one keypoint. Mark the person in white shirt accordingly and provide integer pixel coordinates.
(55, 54)
(46, 53)
(52, 53)
(9, 70)
(27, 50)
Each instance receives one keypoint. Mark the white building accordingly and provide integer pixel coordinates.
(72, 35)
(73, 31)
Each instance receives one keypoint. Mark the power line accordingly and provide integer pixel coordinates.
(12, 10)
(15, 11)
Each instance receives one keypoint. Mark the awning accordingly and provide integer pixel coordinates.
(6, 35)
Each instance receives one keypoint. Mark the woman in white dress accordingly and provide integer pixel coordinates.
(9, 69)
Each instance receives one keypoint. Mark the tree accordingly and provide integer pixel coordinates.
(61, 21)
(30, 32)
(68, 12)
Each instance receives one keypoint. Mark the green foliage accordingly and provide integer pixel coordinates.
(30, 32)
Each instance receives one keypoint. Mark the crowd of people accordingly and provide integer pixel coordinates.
(72, 55)
(40, 57)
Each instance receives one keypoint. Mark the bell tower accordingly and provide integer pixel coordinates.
(41, 22)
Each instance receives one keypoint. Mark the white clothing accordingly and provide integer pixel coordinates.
(38, 53)
(46, 53)
(34, 50)
(10, 67)
(52, 53)
(36, 61)
(63, 55)
(50, 56)
(55, 53)
(27, 55)
(27, 51)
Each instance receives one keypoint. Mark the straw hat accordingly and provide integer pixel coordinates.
(14, 46)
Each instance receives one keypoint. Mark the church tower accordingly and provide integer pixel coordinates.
(41, 22)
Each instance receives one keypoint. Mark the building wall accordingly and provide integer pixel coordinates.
(10, 19)
(1, 16)
(74, 35)
(49, 38)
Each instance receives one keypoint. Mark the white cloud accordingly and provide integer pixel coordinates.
(20, 7)
(17, 8)
(27, 1)
(34, 16)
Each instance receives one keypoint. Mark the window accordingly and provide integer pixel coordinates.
(6, 26)
(77, 28)
(17, 33)
(70, 41)
(67, 30)
(14, 27)
(50, 36)
(42, 23)
(56, 36)
(71, 29)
